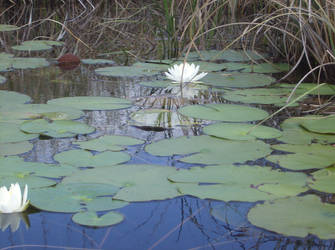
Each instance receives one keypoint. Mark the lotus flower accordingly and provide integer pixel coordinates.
(184, 73)
(11, 201)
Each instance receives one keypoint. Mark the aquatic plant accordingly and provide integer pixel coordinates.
(11, 200)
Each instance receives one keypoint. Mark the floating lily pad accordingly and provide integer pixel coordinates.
(10, 132)
(8, 27)
(223, 112)
(83, 158)
(92, 219)
(75, 197)
(323, 125)
(2, 79)
(92, 102)
(56, 129)
(162, 118)
(228, 55)
(238, 183)
(20, 112)
(323, 180)
(327, 89)
(29, 63)
(16, 166)
(296, 216)
(33, 182)
(97, 61)
(5, 61)
(209, 150)
(294, 133)
(237, 79)
(125, 71)
(109, 142)
(15, 148)
(241, 131)
(12, 97)
(276, 96)
(36, 45)
(138, 182)
(156, 84)
(304, 157)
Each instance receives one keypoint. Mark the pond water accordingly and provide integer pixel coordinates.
(183, 222)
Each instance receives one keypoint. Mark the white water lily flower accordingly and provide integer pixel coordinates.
(11, 201)
(176, 73)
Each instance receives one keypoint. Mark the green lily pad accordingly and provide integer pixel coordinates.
(5, 61)
(92, 102)
(28, 63)
(305, 156)
(12, 97)
(276, 96)
(327, 89)
(223, 112)
(93, 220)
(125, 71)
(237, 80)
(15, 148)
(2, 79)
(256, 68)
(322, 125)
(228, 55)
(156, 83)
(36, 45)
(10, 133)
(323, 180)
(8, 27)
(16, 166)
(139, 182)
(75, 197)
(19, 112)
(97, 61)
(56, 129)
(33, 182)
(83, 158)
(241, 131)
(296, 216)
(109, 142)
(162, 118)
(294, 133)
(239, 183)
(209, 150)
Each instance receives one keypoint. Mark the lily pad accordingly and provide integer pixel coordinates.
(28, 63)
(97, 61)
(161, 118)
(125, 71)
(33, 182)
(276, 96)
(12, 97)
(237, 79)
(238, 183)
(56, 129)
(296, 216)
(241, 131)
(228, 55)
(15, 148)
(327, 89)
(323, 180)
(304, 157)
(76, 197)
(294, 133)
(139, 182)
(92, 102)
(8, 27)
(19, 112)
(36, 45)
(223, 112)
(209, 150)
(322, 125)
(83, 158)
(156, 84)
(109, 142)
(10, 133)
(92, 219)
